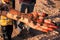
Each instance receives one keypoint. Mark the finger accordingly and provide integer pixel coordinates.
(52, 26)
(41, 29)
(46, 28)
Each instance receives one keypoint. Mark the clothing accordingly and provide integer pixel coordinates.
(15, 23)
(7, 27)
(13, 6)
(29, 4)
(7, 32)
(13, 3)
(28, 1)
(29, 7)
(21, 25)
(5, 21)
(4, 8)
(1, 3)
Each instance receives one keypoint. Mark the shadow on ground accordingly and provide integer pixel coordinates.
(25, 35)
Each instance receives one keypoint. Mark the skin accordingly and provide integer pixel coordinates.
(25, 18)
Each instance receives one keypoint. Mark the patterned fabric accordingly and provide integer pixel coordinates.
(5, 21)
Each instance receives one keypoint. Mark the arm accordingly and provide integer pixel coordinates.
(25, 20)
